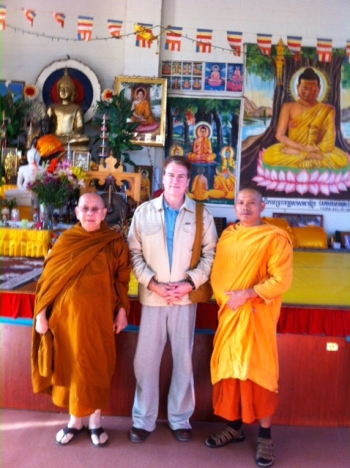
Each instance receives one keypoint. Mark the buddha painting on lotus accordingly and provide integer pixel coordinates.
(295, 136)
(215, 76)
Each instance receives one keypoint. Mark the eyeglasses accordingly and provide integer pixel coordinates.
(85, 209)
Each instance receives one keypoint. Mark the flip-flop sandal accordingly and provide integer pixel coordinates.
(69, 430)
(98, 432)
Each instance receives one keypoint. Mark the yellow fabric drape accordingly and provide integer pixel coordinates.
(24, 242)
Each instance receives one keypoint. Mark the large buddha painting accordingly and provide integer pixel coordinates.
(296, 126)
(206, 132)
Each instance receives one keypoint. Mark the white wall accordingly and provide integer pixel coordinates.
(23, 56)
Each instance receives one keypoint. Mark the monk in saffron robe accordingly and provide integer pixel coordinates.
(199, 187)
(81, 300)
(220, 189)
(251, 270)
(310, 142)
(230, 184)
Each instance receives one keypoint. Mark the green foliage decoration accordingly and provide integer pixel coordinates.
(117, 110)
(15, 112)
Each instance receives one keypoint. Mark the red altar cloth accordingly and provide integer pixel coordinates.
(17, 305)
(294, 320)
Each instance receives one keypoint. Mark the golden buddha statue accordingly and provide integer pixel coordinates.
(67, 117)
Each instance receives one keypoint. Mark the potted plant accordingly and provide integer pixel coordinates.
(13, 112)
(117, 111)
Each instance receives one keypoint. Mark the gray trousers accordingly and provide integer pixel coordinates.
(157, 323)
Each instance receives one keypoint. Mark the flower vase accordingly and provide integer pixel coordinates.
(46, 215)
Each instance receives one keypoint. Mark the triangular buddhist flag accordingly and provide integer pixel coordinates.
(114, 27)
(264, 43)
(204, 38)
(2, 17)
(324, 50)
(294, 45)
(173, 39)
(29, 15)
(85, 28)
(235, 42)
(144, 34)
(347, 51)
(59, 17)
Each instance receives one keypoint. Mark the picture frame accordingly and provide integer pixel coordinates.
(212, 176)
(15, 87)
(345, 240)
(10, 160)
(82, 159)
(148, 102)
(146, 189)
(301, 219)
(215, 76)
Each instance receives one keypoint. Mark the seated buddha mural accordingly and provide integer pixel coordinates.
(202, 150)
(227, 154)
(306, 131)
(215, 78)
(142, 112)
(176, 150)
(67, 117)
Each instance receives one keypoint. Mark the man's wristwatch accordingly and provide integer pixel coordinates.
(190, 280)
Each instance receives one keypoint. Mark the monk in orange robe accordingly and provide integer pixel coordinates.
(251, 270)
(199, 186)
(220, 189)
(81, 300)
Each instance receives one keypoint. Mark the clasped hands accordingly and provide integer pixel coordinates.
(170, 292)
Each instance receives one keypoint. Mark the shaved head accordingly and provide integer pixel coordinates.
(252, 191)
(92, 197)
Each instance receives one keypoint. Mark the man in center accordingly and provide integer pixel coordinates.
(161, 240)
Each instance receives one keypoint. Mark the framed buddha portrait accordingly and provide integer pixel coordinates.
(82, 159)
(148, 104)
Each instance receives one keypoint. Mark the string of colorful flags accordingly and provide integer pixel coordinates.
(174, 35)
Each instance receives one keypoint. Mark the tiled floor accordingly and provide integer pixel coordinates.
(27, 441)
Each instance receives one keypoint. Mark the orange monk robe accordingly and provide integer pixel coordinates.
(245, 341)
(199, 187)
(231, 185)
(84, 283)
(48, 145)
(219, 189)
(143, 113)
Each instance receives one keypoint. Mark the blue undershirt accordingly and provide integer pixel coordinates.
(170, 216)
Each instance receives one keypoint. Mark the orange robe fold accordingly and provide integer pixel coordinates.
(200, 188)
(245, 341)
(84, 283)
